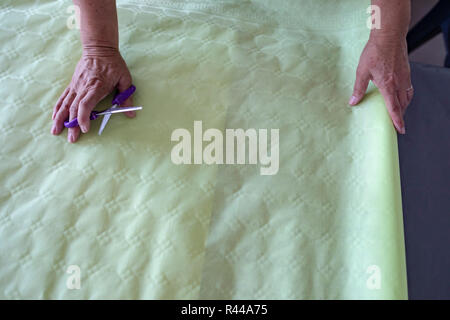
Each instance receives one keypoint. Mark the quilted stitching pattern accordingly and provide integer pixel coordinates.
(139, 226)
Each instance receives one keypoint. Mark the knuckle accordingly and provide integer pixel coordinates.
(64, 107)
(82, 105)
(388, 80)
(83, 112)
(59, 117)
(71, 95)
(82, 108)
(93, 84)
(396, 108)
(73, 109)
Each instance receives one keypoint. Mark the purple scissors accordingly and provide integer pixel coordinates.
(117, 101)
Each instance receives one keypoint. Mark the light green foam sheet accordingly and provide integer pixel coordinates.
(139, 226)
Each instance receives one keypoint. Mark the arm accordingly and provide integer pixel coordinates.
(385, 61)
(99, 27)
(100, 70)
(395, 18)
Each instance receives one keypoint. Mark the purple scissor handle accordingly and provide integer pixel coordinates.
(117, 101)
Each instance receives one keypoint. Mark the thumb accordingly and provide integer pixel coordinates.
(124, 83)
(360, 88)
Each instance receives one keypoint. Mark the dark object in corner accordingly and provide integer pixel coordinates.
(435, 22)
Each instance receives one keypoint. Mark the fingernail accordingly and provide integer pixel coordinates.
(71, 138)
(53, 129)
(83, 128)
(400, 127)
(353, 100)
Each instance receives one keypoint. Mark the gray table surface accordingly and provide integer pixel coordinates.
(425, 177)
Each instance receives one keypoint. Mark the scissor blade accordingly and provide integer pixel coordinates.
(104, 122)
(118, 110)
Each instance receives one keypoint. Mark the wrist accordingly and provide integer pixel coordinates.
(379, 37)
(97, 50)
(394, 19)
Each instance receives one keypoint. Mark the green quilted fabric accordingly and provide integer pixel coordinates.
(328, 225)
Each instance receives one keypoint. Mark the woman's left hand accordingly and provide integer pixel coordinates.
(385, 62)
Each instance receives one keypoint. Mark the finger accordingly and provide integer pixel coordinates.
(394, 108)
(360, 87)
(59, 102)
(402, 96)
(410, 94)
(86, 105)
(63, 113)
(405, 92)
(74, 133)
(124, 83)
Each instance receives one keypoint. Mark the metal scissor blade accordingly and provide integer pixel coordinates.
(118, 110)
(104, 122)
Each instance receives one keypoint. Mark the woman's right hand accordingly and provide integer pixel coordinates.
(385, 62)
(94, 78)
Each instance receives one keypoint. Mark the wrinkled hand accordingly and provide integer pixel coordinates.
(385, 62)
(94, 78)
